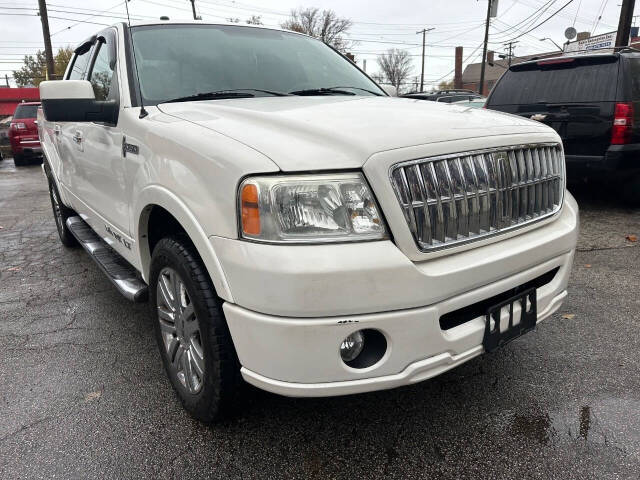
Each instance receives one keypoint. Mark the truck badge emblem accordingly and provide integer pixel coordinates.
(128, 147)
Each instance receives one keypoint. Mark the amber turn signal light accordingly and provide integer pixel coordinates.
(250, 210)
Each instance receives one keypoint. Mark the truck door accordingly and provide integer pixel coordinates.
(102, 182)
(62, 151)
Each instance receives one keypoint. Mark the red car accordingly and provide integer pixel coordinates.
(23, 133)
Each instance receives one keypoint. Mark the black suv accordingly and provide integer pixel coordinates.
(445, 96)
(592, 101)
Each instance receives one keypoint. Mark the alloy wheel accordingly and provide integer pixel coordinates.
(180, 330)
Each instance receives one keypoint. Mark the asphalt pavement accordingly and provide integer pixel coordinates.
(83, 393)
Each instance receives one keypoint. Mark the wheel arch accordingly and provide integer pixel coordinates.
(158, 206)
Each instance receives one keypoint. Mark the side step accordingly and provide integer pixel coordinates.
(114, 266)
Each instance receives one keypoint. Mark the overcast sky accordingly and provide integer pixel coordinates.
(377, 24)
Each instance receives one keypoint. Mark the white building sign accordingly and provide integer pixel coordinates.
(606, 40)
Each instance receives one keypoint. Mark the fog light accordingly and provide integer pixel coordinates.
(351, 346)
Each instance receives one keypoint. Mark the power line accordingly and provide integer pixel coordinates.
(546, 5)
(50, 16)
(524, 26)
(545, 20)
(599, 17)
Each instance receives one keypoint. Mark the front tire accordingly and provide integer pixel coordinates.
(60, 213)
(192, 334)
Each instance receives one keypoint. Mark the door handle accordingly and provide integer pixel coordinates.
(56, 129)
(77, 137)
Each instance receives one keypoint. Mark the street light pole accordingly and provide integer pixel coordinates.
(551, 40)
(424, 37)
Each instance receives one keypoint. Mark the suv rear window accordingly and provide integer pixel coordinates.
(580, 80)
(25, 111)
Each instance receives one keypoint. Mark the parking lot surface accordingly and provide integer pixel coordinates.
(83, 393)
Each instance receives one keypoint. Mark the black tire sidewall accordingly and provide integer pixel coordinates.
(66, 237)
(176, 253)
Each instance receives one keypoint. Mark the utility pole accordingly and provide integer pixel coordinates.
(44, 18)
(624, 25)
(484, 49)
(510, 46)
(193, 8)
(424, 38)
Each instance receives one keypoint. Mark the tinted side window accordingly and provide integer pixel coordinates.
(564, 83)
(80, 63)
(101, 74)
(634, 66)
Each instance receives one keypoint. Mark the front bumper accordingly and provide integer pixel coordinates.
(295, 304)
(300, 357)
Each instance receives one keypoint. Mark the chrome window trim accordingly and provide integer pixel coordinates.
(481, 236)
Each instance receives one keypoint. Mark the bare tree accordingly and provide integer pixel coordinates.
(252, 20)
(445, 85)
(396, 66)
(255, 20)
(325, 26)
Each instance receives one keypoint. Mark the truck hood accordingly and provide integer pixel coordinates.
(311, 133)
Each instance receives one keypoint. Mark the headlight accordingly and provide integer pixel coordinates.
(309, 208)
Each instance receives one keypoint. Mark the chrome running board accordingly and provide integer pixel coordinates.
(121, 273)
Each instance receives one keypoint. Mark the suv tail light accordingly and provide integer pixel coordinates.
(19, 126)
(622, 124)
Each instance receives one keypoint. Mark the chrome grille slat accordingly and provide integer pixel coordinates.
(439, 230)
(458, 198)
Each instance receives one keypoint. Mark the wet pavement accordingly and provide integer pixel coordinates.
(83, 393)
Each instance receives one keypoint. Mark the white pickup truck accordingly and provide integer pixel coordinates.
(292, 224)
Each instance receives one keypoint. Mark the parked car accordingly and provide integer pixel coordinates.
(475, 103)
(445, 96)
(292, 224)
(592, 101)
(23, 134)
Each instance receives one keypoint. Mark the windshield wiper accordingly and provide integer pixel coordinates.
(321, 91)
(333, 91)
(377, 94)
(223, 94)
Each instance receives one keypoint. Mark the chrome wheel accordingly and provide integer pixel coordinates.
(180, 330)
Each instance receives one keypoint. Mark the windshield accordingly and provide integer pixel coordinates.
(25, 111)
(176, 61)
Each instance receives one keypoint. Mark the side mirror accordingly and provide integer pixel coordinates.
(74, 101)
(391, 90)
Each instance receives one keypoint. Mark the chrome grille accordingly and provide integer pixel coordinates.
(452, 199)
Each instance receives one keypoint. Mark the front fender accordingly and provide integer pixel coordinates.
(154, 195)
